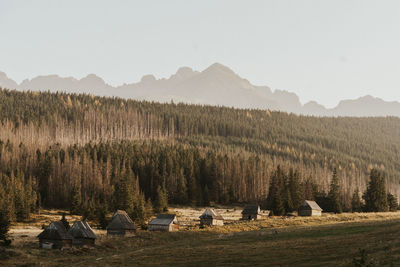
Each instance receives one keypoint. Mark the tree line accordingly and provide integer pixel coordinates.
(287, 192)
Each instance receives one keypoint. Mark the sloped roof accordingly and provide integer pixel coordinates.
(121, 220)
(211, 214)
(310, 204)
(163, 219)
(82, 230)
(251, 209)
(55, 231)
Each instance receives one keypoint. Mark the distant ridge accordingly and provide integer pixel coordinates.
(216, 85)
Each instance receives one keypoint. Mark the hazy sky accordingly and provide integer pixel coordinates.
(321, 50)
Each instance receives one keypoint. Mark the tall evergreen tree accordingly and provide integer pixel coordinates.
(101, 213)
(275, 199)
(334, 194)
(75, 207)
(295, 188)
(139, 211)
(356, 201)
(161, 201)
(392, 202)
(375, 197)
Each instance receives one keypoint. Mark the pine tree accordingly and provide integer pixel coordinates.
(161, 201)
(148, 209)
(375, 197)
(75, 207)
(182, 196)
(101, 213)
(392, 202)
(275, 200)
(334, 194)
(89, 211)
(296, 193)
(125, 192)
(356, 202)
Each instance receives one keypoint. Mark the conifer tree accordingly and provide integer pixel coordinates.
(161, 201)
(275, 200)
(101, 213)
(139, 211)
(356, 202)
(182, 196)
(334, 194)
(75, 207)
(375, 197)
(392, 202)
(296, 193)
(148, 209)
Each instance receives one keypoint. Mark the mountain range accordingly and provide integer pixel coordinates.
(216, 85)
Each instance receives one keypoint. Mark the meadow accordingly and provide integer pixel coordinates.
(330, 240)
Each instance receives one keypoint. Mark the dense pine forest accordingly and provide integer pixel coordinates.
(92, 154)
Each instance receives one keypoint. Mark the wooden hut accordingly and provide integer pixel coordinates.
(82, 234)
(251, 212)
(211, 217)
(55, 236)
(309, 208)
(121, 224)
(164, 222)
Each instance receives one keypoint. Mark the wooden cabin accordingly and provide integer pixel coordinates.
(210, 217)
(251, 212)
(164, 222)
(309, 208)
(55, 236)
(82, 234)
(121, 224)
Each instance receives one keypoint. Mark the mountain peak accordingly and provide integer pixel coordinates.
(218, 67)
(183, 73)
(149, 78)
(92, 77)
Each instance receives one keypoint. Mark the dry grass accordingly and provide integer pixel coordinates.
(189, 219)
(331, 240)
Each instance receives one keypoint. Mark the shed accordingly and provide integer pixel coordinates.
(121, 224)
(55, 236)
(82, 234)
(251, 212)
(164, 222)
(309, 208)
(211, 217)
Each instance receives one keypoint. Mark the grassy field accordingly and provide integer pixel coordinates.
(332, 240)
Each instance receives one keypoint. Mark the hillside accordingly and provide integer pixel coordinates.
(85, 146)
(216, 85)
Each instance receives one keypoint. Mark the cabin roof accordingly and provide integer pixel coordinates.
(310, 204)
(121, 220)
(163, 219)
(55, 231)
(251, 209)
(211, 214)
(82, 230)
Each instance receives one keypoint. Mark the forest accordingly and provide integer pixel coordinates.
(93, 154)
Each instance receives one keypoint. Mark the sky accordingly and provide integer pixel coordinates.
(325, 51)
